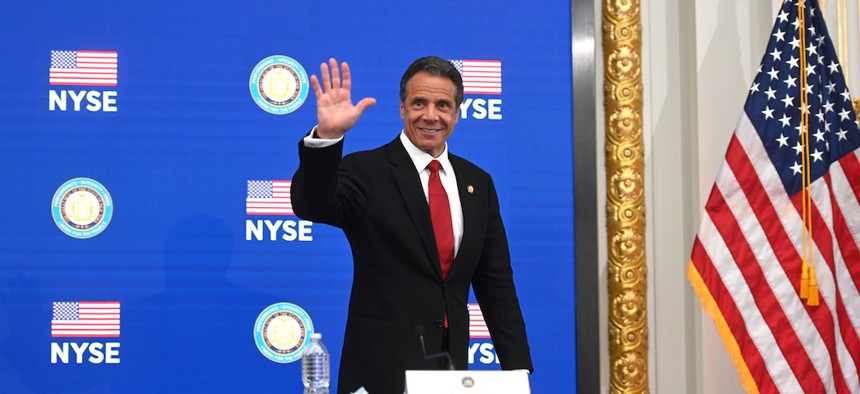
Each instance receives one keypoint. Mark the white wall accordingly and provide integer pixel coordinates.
(731, 40)
(670, 116)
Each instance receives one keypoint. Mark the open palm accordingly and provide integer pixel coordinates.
(335, 112)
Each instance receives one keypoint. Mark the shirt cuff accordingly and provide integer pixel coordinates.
(312, 141)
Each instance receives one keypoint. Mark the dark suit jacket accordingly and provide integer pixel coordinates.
(377, 199)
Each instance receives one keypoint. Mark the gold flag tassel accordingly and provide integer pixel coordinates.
(808, 283)
(813, 288)
(804, 276)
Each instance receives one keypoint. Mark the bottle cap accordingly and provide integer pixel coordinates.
(316, 335)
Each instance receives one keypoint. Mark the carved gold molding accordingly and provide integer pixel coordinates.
(625, 197)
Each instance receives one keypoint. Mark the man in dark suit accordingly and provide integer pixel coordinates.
(420, 233)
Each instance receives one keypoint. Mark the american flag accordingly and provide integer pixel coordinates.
(269, 198)
(86, 319)
(480, 76)
(746, 262)
(83, 68)
(477, 325)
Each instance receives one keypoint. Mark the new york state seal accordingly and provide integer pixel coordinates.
(82, 208)
(279, 84)
(282, 331)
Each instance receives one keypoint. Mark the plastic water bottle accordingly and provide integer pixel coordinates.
(315, 366)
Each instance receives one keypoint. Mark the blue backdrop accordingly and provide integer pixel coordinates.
(175, 137)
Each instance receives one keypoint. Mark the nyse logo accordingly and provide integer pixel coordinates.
(272, 198)
(287, 230)
(478, 331)
(481, 109)
(83, 68)
(96, 101)
(487, 353)
(85, 319)
(98, 353)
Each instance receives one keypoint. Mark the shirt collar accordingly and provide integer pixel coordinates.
(421, 159)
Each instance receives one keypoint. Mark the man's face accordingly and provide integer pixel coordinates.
(429, 112)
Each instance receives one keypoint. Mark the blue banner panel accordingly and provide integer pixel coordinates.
(147, 149)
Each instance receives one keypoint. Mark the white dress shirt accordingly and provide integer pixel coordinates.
(449, 181)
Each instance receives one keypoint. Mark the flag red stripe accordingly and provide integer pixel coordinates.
(733, 318)
(476, 80)
(850, 253)
(82, 84)
(84, 335)
(55, 70)
(87, 59)
(82, 81)
(781, 243)
(846, 276)
(85, 77)
(851, 165)
(91, 320)
(477, 324)
(849, 335)
(787, 341)
(72, 326)
(97, 52)
(482, 62)
(481, 91)
(85, 73)
(82, 65)
(750, 183)
(821, 315)
(482, 82)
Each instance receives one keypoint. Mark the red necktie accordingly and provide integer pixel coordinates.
(440, 214)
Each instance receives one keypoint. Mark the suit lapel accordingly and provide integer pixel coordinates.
(412, 193)
(467, 202)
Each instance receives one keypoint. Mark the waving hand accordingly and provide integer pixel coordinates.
(335, 112)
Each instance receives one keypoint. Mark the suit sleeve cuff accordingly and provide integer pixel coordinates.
(312, 141)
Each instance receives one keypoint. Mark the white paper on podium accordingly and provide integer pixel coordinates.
(467, 382)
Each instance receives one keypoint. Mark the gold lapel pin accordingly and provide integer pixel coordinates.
(470, 189)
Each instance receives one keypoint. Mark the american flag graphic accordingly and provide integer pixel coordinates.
(480, 76)
(83, 68)
(477, 325)
(85, 319)
(269, 198)
(747, 259)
